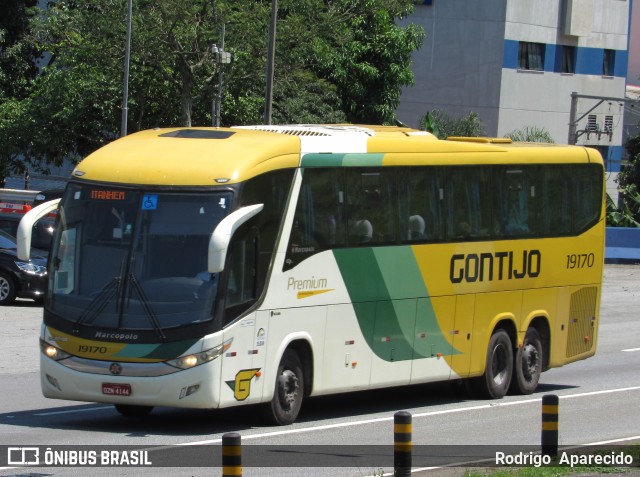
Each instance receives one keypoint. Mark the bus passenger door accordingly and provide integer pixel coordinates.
(238, 370)
(239, 373)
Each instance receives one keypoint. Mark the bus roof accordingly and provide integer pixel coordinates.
(214, 156)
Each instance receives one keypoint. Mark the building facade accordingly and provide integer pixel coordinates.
(517, 62)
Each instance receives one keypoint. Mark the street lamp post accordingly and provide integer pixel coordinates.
(221, 57)
(127, 54)
(270, 62)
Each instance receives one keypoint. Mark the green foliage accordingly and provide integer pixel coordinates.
(628, 214)
(443, 126)
(530, 134)
(624, 216)
(17, 67)
(336, 61)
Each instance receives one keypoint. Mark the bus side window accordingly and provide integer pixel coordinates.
(469, 204)
(420, 201)
(372, 206)
(318, 222)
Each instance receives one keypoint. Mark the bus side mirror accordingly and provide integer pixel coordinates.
(25, 228)
(221, 236)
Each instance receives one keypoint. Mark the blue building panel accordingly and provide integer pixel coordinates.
(550, 57)
(589, 61)
(510, 60)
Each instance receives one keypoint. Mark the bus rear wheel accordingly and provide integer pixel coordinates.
(133, 411)
(528, 364)
(495, 381)
(289, 390)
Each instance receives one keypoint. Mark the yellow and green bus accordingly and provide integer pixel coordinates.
(214, 267)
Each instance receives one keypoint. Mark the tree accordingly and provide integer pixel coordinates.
(628, 212)
(17, 70)
(336, 61)
(442, 126)
(17, 67)
(530, 134)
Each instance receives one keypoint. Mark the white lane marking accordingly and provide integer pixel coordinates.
(71, 411)
(631, 349)
(424, 414)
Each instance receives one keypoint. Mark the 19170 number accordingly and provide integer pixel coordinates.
(582, 260)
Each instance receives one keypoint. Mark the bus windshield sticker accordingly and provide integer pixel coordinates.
(150, 202)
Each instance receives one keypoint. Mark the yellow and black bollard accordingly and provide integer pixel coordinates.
(549, 436)
(231, 455)
(402, 444)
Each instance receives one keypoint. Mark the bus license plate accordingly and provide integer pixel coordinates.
(116, 389)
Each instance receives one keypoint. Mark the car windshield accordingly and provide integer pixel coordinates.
(136, 260)
(6, 240)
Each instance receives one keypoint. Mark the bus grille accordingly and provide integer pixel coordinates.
(582, 314)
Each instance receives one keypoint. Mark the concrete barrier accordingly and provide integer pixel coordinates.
(622, 245)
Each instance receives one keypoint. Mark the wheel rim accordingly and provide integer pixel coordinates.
(530, 361)
(4, 288)
(499, 365)
(287, 388)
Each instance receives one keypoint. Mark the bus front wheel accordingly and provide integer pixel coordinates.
(289, 390)
(133, 411)
(527, 366)
(495, 381)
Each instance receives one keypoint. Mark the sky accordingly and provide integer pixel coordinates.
(633, 72)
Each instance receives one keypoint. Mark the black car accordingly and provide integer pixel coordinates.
(19, 278)
(42, 229)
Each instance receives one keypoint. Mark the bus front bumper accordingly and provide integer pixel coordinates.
(190, 388)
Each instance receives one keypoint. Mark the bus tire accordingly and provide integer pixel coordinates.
(289, 390)
(527, 365)
(495, 381)
(132, 410)
(7, 289)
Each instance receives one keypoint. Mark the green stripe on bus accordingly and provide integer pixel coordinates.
(387, 283)
(342, 160)
(170, 350)
(136, 350)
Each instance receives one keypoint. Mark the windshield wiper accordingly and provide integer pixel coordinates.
(100, 301)
(146, 306)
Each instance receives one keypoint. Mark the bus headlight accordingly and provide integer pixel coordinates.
(196, 359)
(52, 352)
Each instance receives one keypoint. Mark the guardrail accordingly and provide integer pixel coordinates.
(15, 195)
(622, 245)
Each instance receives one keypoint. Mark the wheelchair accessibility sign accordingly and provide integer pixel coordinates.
(150, 202)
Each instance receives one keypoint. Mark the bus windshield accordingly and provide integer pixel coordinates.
(130, 259)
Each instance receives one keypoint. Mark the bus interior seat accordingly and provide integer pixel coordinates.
(417, 227)
(361, 231)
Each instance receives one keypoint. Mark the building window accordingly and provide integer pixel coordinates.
(531, 56)
(568, 64)
(609, 63)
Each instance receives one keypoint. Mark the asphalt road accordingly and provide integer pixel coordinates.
(599, 403)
